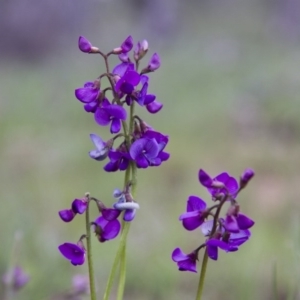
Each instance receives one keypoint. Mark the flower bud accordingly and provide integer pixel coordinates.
(140, 50)
(85, 46)
(246, 177)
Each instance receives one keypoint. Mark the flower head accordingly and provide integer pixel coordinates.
(246, 177)
(154, 62)
(119, 160)
(106, 230)
(84, 45)
(195, 214)
(110, 113)
(219, 186)
(75, 253)
(185, 262)
(89, 92)
(127, 45)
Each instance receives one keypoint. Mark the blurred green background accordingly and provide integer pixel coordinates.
(230, 85)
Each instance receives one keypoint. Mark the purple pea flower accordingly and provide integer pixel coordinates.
(78, 207)
(127, 45)
(128, 81)
(110, 113)
(89, 92)
(145, 151)
(220, 185)
(102, 148)
(224, 240)
(154, 62)
(185, 262)
(106, 230)
(195, 215)
(162, 141)
(17, 279)
(119, 160)
(73, 252)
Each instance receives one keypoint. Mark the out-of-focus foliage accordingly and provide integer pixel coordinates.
(230, 85)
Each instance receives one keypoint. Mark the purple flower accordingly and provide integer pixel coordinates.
(224, 240)
(162, 141)
(106, 230)
(195, 215)
(78, 207)
(220, 185)
(110, 113)
(145, 151)
(89, 92)
(119, 160)
(129, 207)
(128, 82)
(154, 62)
(102, 148)
(67, 215)
(185, 262)
(84, 45)
(127, 44)
(17, 279)
(74, 253)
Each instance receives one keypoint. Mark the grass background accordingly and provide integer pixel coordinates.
(230, 85)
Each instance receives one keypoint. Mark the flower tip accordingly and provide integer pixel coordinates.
(204, 178)
(154, 62)
(246, 177)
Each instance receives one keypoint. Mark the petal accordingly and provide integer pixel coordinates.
(164, 156)
(86, 95)
(244, 222)
(232, 186)
(110, 214)
(102, 117)
(187, 265)
(217, 243)
(154, 107)
(129, 215)
(84, 45)
(206, 227)
(149, 98)
(67, 215)
(192, 223)
(97, 141)
(195, 203)
(124, 164)
(212, 252)
(111, 166)
(151, 148)
(154, 62)
(98, 155)
(127, 44)
(223, 177)
(132, 77)
(111, 230)
(231, 224)
(178, 255)
(188, 215)
(142, 94)
(204, 178)
(78, 260)
(115, 126)
(120, 69)
(70, 251)
(79, 206)
(116, 111)
(137, 148)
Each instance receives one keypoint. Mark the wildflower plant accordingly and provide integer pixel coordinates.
(133, 145)
(136, 145)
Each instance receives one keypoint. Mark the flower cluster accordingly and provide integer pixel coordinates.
(143, 144)
(140, 145)
(226, 233)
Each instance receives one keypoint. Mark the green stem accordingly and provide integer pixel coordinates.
(89, 253)
(202, 276)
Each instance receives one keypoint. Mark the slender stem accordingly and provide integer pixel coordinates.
(202, 276)
(89, 253)
(122, 271)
